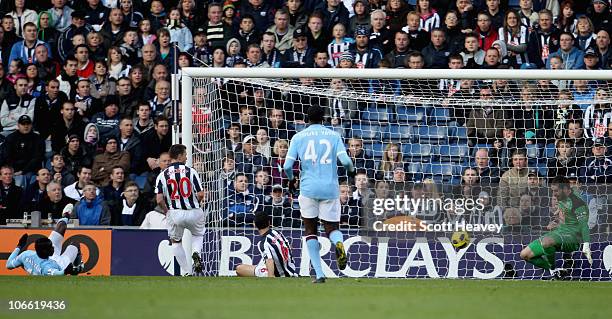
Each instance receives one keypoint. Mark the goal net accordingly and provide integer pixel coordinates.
(437, 152)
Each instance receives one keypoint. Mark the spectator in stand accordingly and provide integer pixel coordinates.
(68, 77)
(131, 208)
(23, 150)
(488, 174)
(91, 208)
(603, 50)
(591, 60)
(25, 50)
(128, 100)
(365, 55)
(400, 51)
(131, 143)
(428, 15)
(391, 159)
(156, 141)
(300, 54)
(492, 59)
(600, 15)
(598, 115)
(217, 32)
(529, 17)
(96, 13)
(261, 186)
(584, 34)
(503, 148)
(86, 105)
(486, 32)
(543, 41)
(565, 162)
(247, 33)
(114, 190)
(101, 84)
(263, 143)
(318, 39)
(240, 204)
(35, 192)
(143, 121)
(598, 168)
(10, 195)
(419, 38)
(349, 207)
(77, 27)
(54, 202)
(282, 31)
(281, 147)
(278, 127)
(484, 125)
(75, 154)
(179, 33)
(248, 161)
(473, 56)
(69, 124)
(575, 133)
(513, 182)
(113, 29)
(362, 193)
(15, 105)
(565, 113)
(85, 66)
(103, 163)
(362, 161)
(515, 36)
(108, 120)
(573, 58)
(162, 163)
(496, 13)
(278, 206)
(59, 172)
(437, 52)
(583, 90)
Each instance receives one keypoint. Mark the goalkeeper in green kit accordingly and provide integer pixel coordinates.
(568, 236)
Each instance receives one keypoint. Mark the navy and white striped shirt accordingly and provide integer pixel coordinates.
(179, 184)
(274, 245)
(515, 40)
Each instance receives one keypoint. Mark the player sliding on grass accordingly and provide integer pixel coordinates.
(275, 251)
(567, 237)
(47, 260)
(317, 148)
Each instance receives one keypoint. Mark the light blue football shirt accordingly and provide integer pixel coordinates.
(33, 264)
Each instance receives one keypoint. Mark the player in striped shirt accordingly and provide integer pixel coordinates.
(275, 250)
(318, 149)
(179, 193)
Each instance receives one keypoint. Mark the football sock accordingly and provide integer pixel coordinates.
(541, 262)
(315, 256)
(179, 253)
(197, 242)
(335, 236)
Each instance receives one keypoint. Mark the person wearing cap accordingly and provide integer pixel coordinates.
(15, 105)
(591, 60)
(283, 32)
(347, 60)
(300, 54)
(103, 163)
(23, 149)
(77, 26)
(278, 206)
(366, 56)
(600, 15)
(107, 121)
(75, 154)
(598, 168)
(248, 161)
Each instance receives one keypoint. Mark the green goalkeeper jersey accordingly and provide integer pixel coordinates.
(576, 214)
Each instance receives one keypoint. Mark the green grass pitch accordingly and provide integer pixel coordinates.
(238, 298)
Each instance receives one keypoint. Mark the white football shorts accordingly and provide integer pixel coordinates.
(179, 219)
(327, 210)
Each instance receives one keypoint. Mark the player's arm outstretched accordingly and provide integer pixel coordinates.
(14, 261)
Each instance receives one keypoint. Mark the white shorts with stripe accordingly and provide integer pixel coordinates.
(327, 210)
(68, 256)
(261, 270)
(181, 219)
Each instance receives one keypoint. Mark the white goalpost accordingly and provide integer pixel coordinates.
(429, 142)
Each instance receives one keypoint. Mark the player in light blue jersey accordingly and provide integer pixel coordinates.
(318, 148)
(46, 259)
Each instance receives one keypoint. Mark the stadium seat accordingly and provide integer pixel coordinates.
(374, 114)
(515, 4)
(366, 131)
(415, 115)
(551, 150)
(458, 134)
(543, 169)
(439, 115)
(299, 127)
(140, 181)
(443, 170)
(431, 134)
(421, 152)
(398, 133)
(339, 129)
(416, 168)
(454, 152)
(374, 149)
(533, 151)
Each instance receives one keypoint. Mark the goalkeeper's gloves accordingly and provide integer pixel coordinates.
(23, 241)
(586, 250)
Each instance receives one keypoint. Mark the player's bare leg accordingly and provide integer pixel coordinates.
(335, 236)
(313, 246)
(245, 270)
(541, 253)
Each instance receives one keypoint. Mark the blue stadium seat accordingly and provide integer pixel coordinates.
(417, 151)
(454, 152)
(414, 115)
(543, 169)
(299, 127)
(340, 130)
(376, 114)
(431, 134)
(140, 181)
(398, 133)
(458, 134)
(533, 151)
(439, 115)
(551, 150)
(366, 131)
(514, 4)
(374, 149)
(443, 170)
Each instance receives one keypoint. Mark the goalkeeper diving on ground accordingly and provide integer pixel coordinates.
(47, 259)
(318, 149)
(567, 237)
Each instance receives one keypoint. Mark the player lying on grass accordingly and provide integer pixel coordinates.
(47, 259)
(318, 149)
(275, 250)
(567, 236)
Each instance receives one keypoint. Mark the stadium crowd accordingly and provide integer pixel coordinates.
(86, 108)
